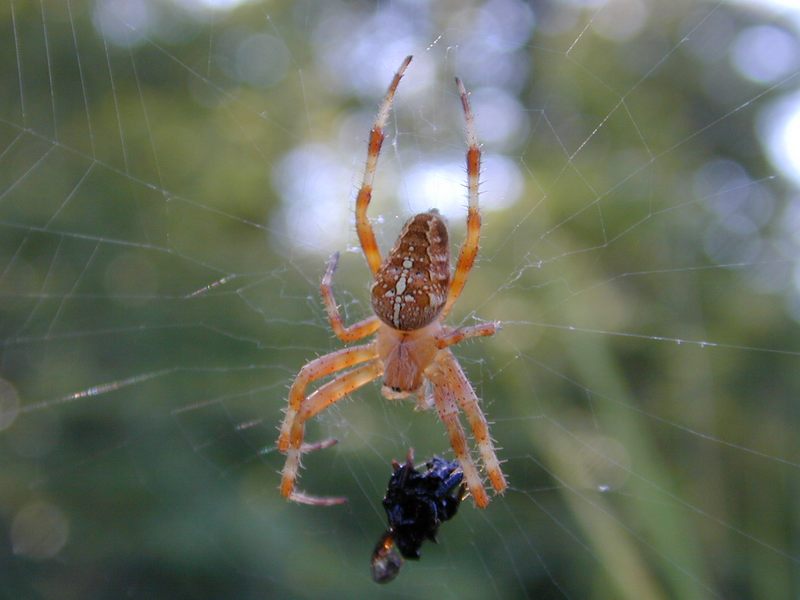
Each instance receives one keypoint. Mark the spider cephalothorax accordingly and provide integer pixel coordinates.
(412, 294)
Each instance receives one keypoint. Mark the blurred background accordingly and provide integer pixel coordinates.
(174, 175)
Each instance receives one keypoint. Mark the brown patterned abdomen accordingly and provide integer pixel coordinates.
(411, 285)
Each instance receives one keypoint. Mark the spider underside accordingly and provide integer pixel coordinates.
(412, 294)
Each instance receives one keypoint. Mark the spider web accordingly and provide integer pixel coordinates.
(173, 175)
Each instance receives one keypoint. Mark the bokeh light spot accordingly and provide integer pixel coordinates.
(39, 530)
(765, 53)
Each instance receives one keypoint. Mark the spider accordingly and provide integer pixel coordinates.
(412, 294)
(417, 502)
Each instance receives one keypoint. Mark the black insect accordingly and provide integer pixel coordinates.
(416, 503)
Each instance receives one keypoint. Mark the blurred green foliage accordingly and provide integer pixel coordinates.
(133, 176)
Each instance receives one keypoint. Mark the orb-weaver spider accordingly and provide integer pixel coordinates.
(411, 296)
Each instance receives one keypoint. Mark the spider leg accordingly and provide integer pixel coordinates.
(468, 401)
(321, 445)
(444, 395)
(463, 333)
(335, 390)
(303, 498)
(365, 234)
(320, 399)
(469, 250)
(356, 331)
(424, 397)
(316, 369)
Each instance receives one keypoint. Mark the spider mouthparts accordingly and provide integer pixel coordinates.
(394, 393)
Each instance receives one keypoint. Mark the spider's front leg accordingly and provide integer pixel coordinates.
(290, 441)
(316, 369)
(455, 336)
(447, 407)
(468, 401)
(451, 391)
(322, 398)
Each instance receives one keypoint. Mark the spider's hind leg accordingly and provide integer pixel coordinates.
(365, 234)
(469, 249)
(350, 333)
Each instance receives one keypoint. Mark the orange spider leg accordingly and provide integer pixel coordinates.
(444, 396)
(365, 234)
(320, 399)
(469, 249)
(335, 390)
(462, 333)
(351, 333)
(316, 369)
(468, 401)
(458, 441)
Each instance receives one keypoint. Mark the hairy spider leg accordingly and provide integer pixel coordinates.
(351, 333)
(456, 336)
(335, 390)
(444, 396)
(319, 400)
(469, 403)
(365, 234)
(469, 249)
(316, 369)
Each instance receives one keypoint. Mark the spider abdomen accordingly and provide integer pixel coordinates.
(411, 285)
